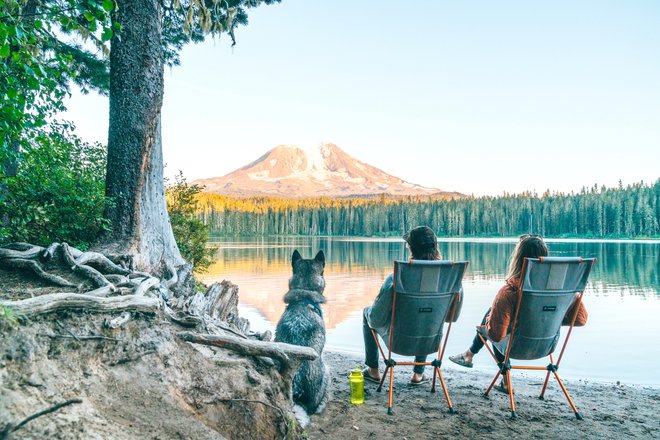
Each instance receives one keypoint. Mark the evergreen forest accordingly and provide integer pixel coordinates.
(622, 212)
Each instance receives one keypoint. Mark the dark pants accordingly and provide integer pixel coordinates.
(371, 349)
(478, 344)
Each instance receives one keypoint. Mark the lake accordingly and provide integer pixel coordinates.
(622, 297)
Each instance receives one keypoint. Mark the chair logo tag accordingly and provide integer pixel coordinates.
(425, 310)
(549, 308)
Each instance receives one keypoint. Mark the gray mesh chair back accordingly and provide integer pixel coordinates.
(549, 287)
(425, 293)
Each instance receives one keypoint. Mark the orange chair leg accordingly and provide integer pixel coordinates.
(492, 384)
(444, 388)
(390, 400)
(382, 379)
(545, 385)
(435, 372)
(513, 403)
(570, 401)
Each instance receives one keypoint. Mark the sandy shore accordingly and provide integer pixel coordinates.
(611, 411)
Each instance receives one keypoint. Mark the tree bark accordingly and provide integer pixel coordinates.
(134, 181)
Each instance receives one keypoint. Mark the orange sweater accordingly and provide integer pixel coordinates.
(504, 307)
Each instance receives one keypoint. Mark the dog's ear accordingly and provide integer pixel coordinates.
(320, 257)
(295, 257)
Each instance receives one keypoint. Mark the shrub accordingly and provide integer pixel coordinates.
(190, 232)
(58, 193)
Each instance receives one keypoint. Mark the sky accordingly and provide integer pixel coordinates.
(475, 97)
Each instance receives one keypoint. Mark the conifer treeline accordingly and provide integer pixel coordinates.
(630, 212)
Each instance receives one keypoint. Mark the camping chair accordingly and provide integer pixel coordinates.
(424, 295)
(547, 289)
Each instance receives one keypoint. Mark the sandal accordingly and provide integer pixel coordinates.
(460, 360)
(502, 389)
(367, 376)
(423, 380)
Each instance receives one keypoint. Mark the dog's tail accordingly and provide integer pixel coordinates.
(301, 415)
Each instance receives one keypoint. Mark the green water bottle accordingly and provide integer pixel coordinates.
(356, 380)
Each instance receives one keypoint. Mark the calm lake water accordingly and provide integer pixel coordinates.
(619, 342)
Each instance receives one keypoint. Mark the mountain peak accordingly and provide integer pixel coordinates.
(322, 170)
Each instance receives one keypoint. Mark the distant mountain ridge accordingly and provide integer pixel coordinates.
(324, 171)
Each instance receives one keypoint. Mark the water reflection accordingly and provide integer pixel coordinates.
(623, 295)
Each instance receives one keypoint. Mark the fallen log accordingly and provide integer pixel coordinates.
(288, 355)
(53, 302)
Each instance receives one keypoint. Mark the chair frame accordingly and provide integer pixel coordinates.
(505, 367)
(436, 363)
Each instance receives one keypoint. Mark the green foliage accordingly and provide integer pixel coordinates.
(58, 193)
(190, 232)
(8, 318)
(36, 64)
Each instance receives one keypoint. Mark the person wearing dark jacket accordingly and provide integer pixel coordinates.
(423, 245)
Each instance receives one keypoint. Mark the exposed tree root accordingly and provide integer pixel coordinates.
(87, 271)
(145, 285)
(101, 262)
(288, 355)
(53, 302)
(119, 321)
(30, 253)
(36, 268)
(6, 432)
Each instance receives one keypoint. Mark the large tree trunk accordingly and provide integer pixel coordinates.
(134, 182)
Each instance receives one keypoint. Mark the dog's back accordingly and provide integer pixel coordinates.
(302, 324)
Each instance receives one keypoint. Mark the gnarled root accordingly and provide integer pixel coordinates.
(53, 302)
(288, 355)
(36, 268)
(89, 272)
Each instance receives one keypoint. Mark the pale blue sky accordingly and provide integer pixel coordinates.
(476, 97)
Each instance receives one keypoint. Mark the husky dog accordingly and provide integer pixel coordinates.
(302, 324)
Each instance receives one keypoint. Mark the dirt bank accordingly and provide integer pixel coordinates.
(139, 383)
(610, 411)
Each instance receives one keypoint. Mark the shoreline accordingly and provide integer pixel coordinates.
(395, 239)
(490, 371)
(610, 410)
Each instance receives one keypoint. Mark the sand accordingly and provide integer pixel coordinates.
(611, 411)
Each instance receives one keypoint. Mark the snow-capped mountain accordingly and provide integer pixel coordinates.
(326, 170)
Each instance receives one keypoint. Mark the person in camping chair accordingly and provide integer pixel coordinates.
(422, 245)
(499, 316)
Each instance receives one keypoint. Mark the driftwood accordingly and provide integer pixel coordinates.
(288, 355)
(6, 432)
(67, 301)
